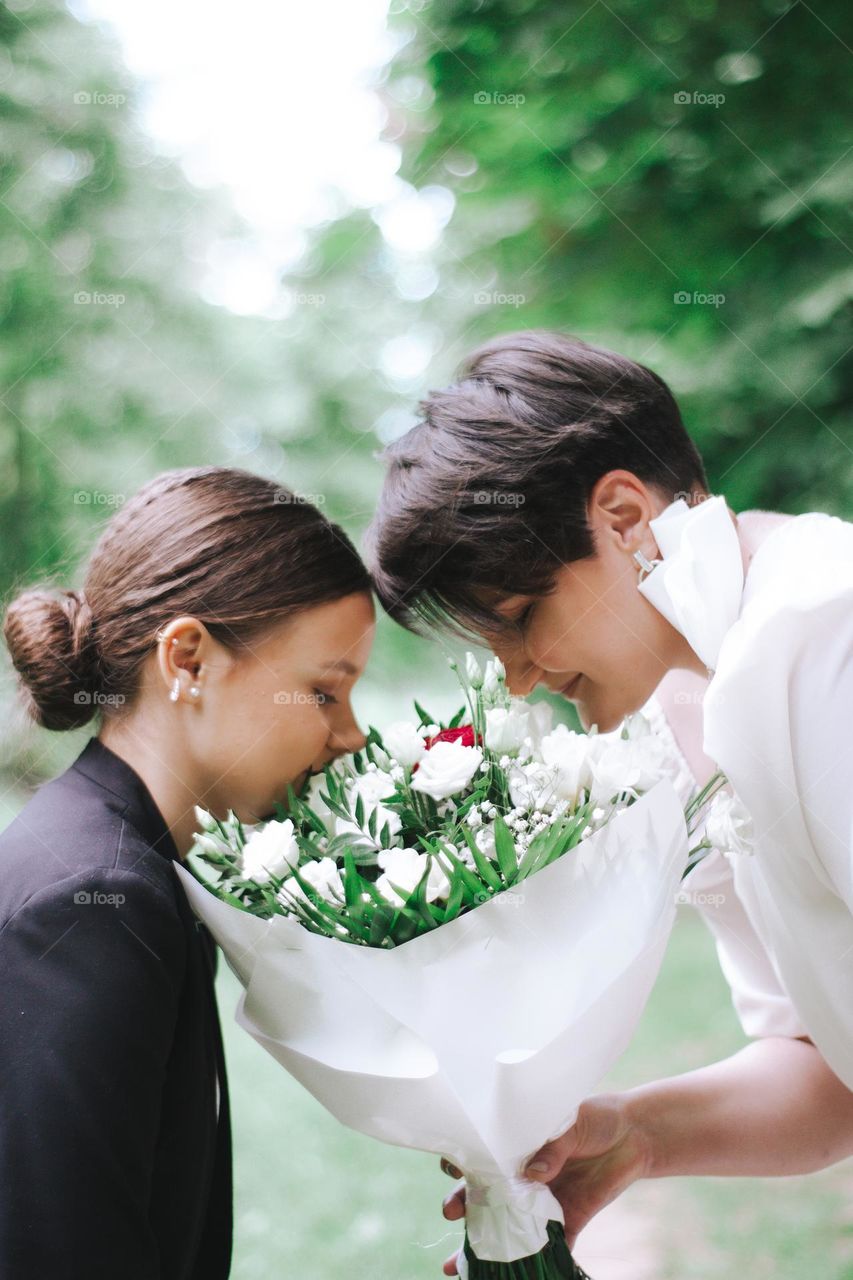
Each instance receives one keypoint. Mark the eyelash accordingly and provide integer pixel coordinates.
(326, 698)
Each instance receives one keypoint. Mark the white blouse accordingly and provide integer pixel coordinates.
(778, 720)
(761, 1003)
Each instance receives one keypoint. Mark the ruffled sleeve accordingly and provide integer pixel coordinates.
(760, 1001)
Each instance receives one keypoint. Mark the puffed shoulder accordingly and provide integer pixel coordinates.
(788, 652)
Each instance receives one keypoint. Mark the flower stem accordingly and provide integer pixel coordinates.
(554, 1262)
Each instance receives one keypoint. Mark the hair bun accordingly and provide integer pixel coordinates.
(50, 636)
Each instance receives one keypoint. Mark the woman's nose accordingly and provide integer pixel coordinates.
(344, 740)
(522, 677)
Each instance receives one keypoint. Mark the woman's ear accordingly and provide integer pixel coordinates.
(619, 510)
(183, 650)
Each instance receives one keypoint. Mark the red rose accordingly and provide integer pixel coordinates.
(464, 734)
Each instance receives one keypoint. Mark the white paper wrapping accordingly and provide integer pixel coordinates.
(477, 1041)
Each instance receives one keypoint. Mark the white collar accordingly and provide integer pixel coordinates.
(699, 582)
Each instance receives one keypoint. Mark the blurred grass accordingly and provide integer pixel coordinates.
(313, 1198)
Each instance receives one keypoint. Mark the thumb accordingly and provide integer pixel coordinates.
(549, 1160)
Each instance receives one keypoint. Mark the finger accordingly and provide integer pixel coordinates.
(454, 1205)
(450, 1169)
(549, 1160)
(450, 1268)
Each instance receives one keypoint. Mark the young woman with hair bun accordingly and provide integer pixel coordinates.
(220, 629)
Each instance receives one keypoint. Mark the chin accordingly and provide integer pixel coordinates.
(607, 718)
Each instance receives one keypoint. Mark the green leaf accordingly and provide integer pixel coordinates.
(424, 716)
(471, 883)
(456, 896)
(484, 867)
(418, 900)
(381, 925)
(505, 850)
(352, 882)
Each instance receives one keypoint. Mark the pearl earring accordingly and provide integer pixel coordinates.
(195, 692)
(644, 565)
(175, 691)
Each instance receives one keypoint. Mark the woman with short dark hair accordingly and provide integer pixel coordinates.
(552, 502)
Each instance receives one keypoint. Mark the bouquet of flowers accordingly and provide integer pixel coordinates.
(449, 937)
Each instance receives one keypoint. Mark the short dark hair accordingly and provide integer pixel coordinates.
(489, 491)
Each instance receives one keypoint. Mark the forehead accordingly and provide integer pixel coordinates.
(336, 636)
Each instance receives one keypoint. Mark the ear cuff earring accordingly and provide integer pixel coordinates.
(644, 565)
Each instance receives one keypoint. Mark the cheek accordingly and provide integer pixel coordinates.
(301, 732)
(263, 742)
(587, 637)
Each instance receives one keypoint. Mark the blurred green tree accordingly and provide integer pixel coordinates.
(111, 365)
(675, 183)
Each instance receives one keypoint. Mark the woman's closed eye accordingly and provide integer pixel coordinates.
(521, 619)
(325, 699)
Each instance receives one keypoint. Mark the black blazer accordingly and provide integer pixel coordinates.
(115, 1158)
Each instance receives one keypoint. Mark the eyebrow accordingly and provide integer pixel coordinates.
(343, 665)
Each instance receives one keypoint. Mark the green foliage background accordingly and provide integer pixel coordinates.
(604, 194)
(592, 162)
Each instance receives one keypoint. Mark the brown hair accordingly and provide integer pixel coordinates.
(235, 550)
(487, 496)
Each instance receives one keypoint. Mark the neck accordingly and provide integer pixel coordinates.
(685, 658)
(160, 770)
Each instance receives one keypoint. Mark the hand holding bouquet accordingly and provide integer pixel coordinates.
(449, 937)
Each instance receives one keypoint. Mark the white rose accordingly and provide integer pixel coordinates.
(324, 878)
(374, 785)
(446, 768)
(632, 764)
(637, 726)
(568, 754)
(507, 727)
(270, 851)
(540, 723)
(535, 786)
(404, 869)
(404, 742)
(728, 825)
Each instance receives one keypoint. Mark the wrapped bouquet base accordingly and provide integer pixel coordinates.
(553, 1262)
(528, 1221)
